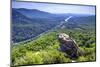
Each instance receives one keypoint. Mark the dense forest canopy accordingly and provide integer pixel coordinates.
(45, 49)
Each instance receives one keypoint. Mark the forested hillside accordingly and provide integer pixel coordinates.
(24, 27)
(45, 49)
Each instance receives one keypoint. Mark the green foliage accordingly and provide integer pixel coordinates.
(89, 54)
(42, 50)
(45, 49)
(82, 58)
(29, 58)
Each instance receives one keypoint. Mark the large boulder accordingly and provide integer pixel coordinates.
(69, 46)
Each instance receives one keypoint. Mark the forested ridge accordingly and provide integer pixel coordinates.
(45, 49)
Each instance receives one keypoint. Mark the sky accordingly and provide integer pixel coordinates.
(55, 8)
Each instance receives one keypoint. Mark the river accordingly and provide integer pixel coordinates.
(57, 26)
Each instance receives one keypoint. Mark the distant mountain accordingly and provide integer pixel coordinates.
(28, 23)
(17, 17)
(34, 13)
(85, 22)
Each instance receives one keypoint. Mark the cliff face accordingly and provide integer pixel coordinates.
(69, 46)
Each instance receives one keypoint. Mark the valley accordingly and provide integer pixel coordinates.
(35, 36)
(25, 28)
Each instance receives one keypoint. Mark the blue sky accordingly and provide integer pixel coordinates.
(56, 8)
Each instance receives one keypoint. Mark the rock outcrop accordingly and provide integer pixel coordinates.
(69, 46)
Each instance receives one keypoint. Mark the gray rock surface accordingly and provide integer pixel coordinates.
(69, 46)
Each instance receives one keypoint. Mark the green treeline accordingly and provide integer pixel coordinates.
(45, 49)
